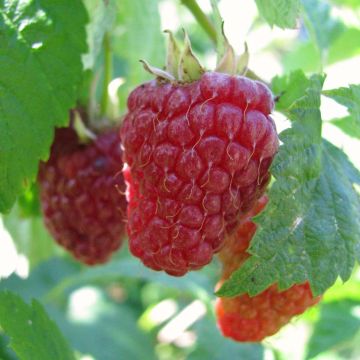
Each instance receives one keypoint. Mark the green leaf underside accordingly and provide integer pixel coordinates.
(336, 325)
(32, 334)
(311, 228)
(282, 13)
(323, 28)
(349, 97)
(40, 60)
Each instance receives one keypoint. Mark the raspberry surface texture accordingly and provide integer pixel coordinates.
(81, 189)
(251, 319)
(197, 157)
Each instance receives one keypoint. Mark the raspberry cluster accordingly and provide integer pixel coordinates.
(251, 319)
(81, 190)
(197, 157)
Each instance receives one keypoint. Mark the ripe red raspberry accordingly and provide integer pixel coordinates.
(80, 189)
(197, 158)
(251, 319)
(233, 254)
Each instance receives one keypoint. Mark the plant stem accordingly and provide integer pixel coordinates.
(201, 17)
(104, 106)
(209, 28)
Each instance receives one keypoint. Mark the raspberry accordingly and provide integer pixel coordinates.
(80, 187)
(233, 254)
(197, 157)
(251, 319)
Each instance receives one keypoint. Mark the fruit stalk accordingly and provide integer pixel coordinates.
(201, 18)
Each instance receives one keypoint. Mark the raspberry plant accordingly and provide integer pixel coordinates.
(298, 73)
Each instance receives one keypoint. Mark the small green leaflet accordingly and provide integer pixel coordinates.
(289, 88)
(336, 326)
(349, 125)
(349, 97)
(41, 43)
(282, 13)
(311, 228)
(33, 336)
(323, 28)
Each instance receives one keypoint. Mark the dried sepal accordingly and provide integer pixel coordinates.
(190, 68)
(159, 73)
(242, 62)
(227, 63)
(84, 134)
(173, 55)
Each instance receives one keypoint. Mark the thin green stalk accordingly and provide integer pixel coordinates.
(108, 66)
(201, 17)
(209, 28)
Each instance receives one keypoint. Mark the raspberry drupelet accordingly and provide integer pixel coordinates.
(82, 195)
(197, 157)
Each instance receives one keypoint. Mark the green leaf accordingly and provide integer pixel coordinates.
(112, 328)
(305, 55)
(337, 324)
(30, 236)
(289, 88)
(138, 23)
(340, 291)
(33, 336)
(211, 345)
(345, 46)
(310, 229)
(282, 13)
(40, 60)
(302, 55)
(29, 202)
(103, 14)
(195, 282)
(323, 28)
(349, 97)
(5, 352)
(42, 279)
(349, 125)
(350, 3)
